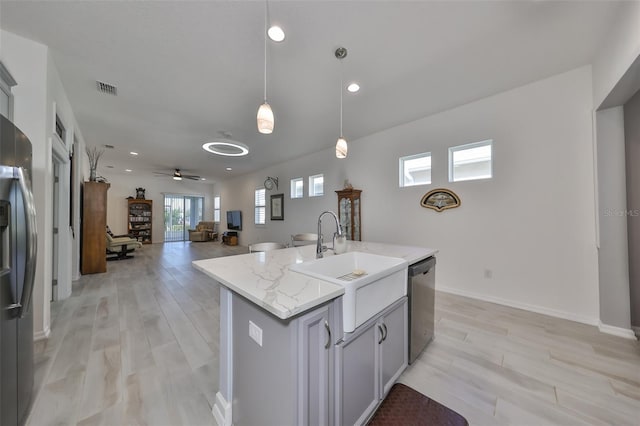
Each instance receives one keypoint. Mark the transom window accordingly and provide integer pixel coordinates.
(297, 188)
(415, 169)
(316, 185)
(471, 161)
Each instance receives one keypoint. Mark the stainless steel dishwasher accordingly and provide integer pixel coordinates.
(421, 290)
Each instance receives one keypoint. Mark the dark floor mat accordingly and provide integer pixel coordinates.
(404, 406)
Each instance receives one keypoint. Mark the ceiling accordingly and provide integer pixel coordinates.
(188, 71)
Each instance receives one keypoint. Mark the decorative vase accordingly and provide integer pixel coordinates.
(92, 175)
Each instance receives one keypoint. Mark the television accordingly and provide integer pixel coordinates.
(234, 220)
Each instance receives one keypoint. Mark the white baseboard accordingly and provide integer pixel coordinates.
(617, 331)
(221, 411)
(519, 305)
(42, 335)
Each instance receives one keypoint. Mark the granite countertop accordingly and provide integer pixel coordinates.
(265, 279)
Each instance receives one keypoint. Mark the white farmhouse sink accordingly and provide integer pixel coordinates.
(371, 282)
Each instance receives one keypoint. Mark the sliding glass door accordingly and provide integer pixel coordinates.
(181, 213)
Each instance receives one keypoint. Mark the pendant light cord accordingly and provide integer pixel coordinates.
(340, 97)
(266, 18)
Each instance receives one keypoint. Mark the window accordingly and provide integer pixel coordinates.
(316, 185)
(260, 203)
(6, 97)
(471, 161)
(415, 169)
(60, 129)
(216, 209)
(297, 188)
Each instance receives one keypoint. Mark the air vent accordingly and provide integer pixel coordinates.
(107, 88)
(109, 146)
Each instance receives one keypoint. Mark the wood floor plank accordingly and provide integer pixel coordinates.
(103, 382)
(158, 317)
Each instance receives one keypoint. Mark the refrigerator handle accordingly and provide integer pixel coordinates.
(30, 222)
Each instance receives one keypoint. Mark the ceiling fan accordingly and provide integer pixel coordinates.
(178, 175)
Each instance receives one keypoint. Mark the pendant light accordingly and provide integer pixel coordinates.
(265, 114)
(341, 144)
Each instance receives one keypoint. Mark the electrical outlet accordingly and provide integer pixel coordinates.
(255, 333)
(488, 274)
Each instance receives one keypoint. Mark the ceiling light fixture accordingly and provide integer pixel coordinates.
(341, 144)
(133, 153)
(228, 169)
(127, 170)
(226, 148)
(177, 175)
(276, 33)
(265, 114)
(353, 87)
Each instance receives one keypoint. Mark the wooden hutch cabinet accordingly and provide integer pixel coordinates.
(349, 213)
(94, 228)
(140, 219)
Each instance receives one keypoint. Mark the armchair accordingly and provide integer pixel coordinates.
(118, 248)
(205, 231)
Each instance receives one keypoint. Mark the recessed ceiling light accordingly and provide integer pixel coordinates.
(226, 148)
(276, 33)
(127, 170)
(228, 169)
(353, 87)
(133, 153)
(203, 178)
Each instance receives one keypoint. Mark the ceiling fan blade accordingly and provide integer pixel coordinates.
(163, 174)
(192, 177)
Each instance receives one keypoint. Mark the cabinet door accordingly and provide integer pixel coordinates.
(356, 388)
(315, 362)
(393, 346)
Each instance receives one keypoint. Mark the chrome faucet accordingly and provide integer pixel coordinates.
(319, 246)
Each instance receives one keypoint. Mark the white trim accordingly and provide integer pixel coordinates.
(42, 335)
(617, 331)
(221, 411)
(527, 307)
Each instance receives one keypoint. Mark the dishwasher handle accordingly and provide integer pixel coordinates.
(422, 267)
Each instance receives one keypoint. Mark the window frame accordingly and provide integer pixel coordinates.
(291, 188)
(401, 162)
(260, 206)
(312, 192)
(453, 149)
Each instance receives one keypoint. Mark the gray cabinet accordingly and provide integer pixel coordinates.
(368, 362)
(286, 376)
(393, 347)
(315, 366)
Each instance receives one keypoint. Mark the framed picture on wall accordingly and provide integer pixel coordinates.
(277, 207)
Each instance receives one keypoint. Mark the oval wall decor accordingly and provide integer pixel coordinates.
(440, 199)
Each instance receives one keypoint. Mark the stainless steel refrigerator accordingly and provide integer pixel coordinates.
(17, 268)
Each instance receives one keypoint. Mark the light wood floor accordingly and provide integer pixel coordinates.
(139, 346)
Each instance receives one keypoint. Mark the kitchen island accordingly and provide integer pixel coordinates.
(280, 336)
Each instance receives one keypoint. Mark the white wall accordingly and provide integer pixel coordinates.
(125, 186)
(38, 88)
(532, 225)
(618, 51)
(613, 259)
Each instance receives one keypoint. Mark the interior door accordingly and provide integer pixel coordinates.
(54, 254)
